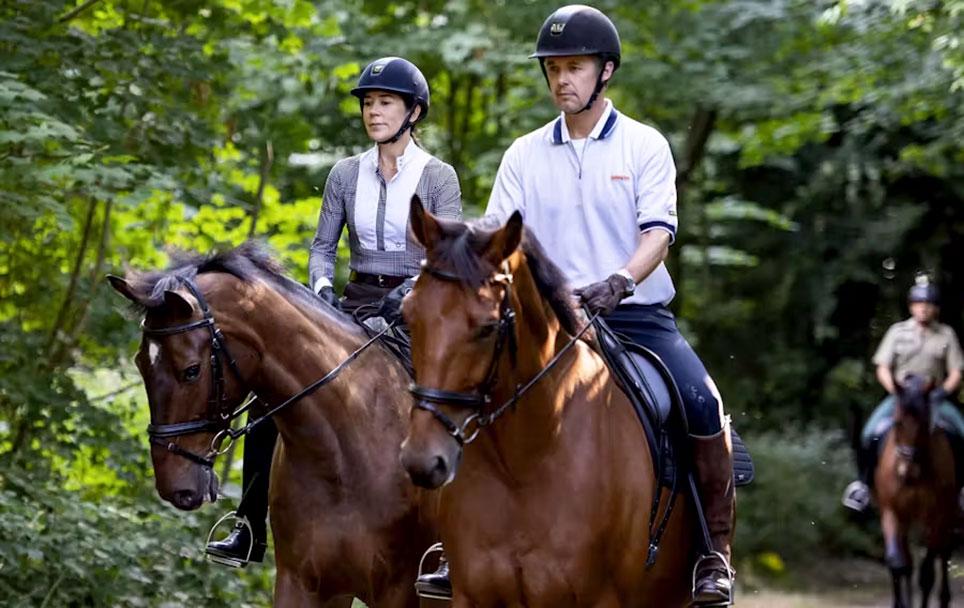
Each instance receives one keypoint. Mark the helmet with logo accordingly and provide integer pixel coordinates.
(400, 76)
(923, 290)
(578, 29)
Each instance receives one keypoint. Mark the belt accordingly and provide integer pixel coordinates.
(378, 280)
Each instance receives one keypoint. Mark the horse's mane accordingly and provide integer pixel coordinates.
(912, 393)
(459, 251)
(248, 262)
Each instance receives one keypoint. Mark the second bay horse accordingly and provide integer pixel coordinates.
(345, 518)
(549, 506)
(914, 485)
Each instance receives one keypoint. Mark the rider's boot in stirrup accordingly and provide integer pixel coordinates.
(856, 495)
(248, 540)
(712, 575)
(435, 585)
(241, 547)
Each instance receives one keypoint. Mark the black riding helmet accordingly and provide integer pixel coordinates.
(578, 29)
(924, 291)
(395, 75)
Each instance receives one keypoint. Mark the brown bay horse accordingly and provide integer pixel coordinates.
(345, 518)
(914, 486)
(551, 503)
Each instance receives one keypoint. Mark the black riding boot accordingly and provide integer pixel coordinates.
(713, 465)
(248, 540)
(436, 584)
(868, 461)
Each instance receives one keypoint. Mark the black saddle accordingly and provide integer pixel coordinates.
(653, 392)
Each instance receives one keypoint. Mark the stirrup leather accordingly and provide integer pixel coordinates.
(231, 561)
(422, 591)
(730, 578)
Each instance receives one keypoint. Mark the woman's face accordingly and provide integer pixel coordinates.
(383, 114)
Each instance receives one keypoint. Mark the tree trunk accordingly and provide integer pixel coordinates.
(267, 159)
(701, 126)
(71, 286)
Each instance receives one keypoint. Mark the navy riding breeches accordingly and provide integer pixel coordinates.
(654, 327)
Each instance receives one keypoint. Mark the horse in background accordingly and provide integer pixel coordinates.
(549, 506)
(914, 486)
(346, 520)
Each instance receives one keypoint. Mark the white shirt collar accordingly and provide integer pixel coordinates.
(411, 153)
(559, 134)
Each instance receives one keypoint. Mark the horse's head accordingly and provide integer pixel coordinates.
(912, 424)
(484, 313)
(461, 319)
(193, 384)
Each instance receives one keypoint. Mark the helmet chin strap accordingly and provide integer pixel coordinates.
(596, 92)
(406, 125)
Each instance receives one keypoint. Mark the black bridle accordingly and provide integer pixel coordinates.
(429, 399)
(219, 416)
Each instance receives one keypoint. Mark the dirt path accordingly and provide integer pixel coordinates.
(844, 584)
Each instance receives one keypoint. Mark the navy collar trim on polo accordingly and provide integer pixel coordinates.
(605, 131)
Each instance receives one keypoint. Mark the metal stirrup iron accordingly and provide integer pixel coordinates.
(229, 561)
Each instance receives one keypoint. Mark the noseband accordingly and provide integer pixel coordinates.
(219, 417)
(429, 399)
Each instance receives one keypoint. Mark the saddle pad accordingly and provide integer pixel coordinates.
(743, 471)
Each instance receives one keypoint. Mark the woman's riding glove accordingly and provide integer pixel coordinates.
(391, 308)
(327, 293)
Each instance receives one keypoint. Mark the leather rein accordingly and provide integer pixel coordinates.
(429, 399)
(219, 416)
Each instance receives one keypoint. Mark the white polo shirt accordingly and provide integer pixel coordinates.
(588, 209)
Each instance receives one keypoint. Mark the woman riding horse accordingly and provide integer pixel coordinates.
(370, 193)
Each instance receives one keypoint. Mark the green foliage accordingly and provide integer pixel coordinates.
(792, 514)
(831, 173)
(59, 548)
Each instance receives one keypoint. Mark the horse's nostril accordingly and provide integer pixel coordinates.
(183, 498)
(440, 465)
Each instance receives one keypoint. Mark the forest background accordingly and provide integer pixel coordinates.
(820, 167)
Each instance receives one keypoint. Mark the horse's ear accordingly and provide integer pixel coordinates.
(177, 305)
(122, 287)
(505, 240)
(424, 225)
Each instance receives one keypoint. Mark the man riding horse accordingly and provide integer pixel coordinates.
(921, 346)
(598, 190)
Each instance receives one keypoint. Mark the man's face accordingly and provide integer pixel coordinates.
(572, 80)
(923, 312)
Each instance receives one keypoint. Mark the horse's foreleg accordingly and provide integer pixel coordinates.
(400, 595)
(896, 557)
(926, 577)
(945, 596)
(289, 592)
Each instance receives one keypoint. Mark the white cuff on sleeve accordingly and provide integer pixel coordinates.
(321, 282)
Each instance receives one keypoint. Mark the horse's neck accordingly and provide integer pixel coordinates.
(331, 430)
(533, 426)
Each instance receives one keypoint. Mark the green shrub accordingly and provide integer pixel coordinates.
(58, 550)
(792, 513)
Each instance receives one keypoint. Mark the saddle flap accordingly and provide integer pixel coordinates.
(639, 372)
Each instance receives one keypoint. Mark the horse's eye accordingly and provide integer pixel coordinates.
(192, 373)
(485, 331)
